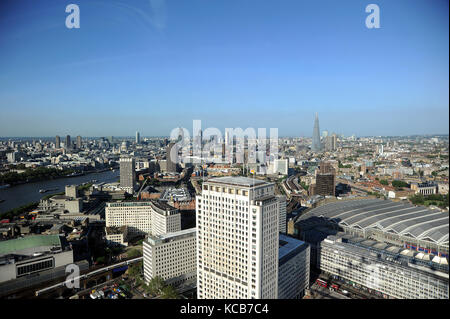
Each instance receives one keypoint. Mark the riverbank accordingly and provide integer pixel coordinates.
(46, 177)
(29, 193)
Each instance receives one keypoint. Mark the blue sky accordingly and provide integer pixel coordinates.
(153, 65)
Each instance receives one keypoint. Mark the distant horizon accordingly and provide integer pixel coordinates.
(167, 136)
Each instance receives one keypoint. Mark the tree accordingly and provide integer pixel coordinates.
(135, 270)
(384, 182)
(133, 253)
(168, 292)
(156, 285)
(399, 184)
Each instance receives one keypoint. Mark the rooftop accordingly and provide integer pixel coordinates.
(237, 181)
(172, 236)
(21, 244)
(403, 219)
(288, 246)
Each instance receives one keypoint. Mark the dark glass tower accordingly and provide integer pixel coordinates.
(316, 146)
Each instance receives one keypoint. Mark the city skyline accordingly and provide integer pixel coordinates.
(152, 66)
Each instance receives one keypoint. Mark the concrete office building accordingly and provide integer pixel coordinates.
(237, 222)
(57, 142)
(33, 254)
(79, 142)
(143, 217)
(71, 191)
(388, 271)
(293, 268)
(138, 138)
(171, 256)
(127, 174)
(171, 164)
(282, 212)
(281, 166)
(117, 235)
(68, 144)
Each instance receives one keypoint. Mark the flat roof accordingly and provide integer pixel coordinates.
(172, 236)
(237, 181)
(288, 245)
(19, 244)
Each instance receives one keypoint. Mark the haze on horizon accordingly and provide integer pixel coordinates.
(154, 65)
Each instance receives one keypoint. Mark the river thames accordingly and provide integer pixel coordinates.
(23, 194)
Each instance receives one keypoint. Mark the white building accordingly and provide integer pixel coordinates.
(171, 256)
(280, 166)
(282, 216)
(389, 271)
(237, 239)
(143, 217)
(293, 268)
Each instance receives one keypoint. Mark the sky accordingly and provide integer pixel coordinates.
(154, 65)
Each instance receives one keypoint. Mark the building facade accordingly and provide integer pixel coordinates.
(237, 222)
(391, 273)
(293, 268)
(171, 256)
(127, 174)
(282, 216)
(143, 217)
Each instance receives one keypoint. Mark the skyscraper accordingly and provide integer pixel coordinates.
(68, 143)
(79, 142)
(138, 138)
(171, 159)
(127, 174)
(237, 222)
(57, 142)
(316, 145)
(325, 180)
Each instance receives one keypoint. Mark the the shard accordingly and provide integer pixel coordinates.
(316, 146)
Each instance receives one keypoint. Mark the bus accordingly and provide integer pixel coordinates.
(321, 283)
(334, 287)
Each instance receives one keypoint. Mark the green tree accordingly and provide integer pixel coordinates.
(156, 285)
(135, 270)
(168, 292)
(399, 184)
(133, 253)
(384, 182)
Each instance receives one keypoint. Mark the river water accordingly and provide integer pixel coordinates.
(23, 194)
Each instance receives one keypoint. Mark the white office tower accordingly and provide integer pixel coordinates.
(172, 257)
(293, 268)
(154, 217)
(237, 239)
(127, 174)
(282, 213)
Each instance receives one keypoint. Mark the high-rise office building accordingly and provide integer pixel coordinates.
(282, 213)
(143, 217)
(138, 138)
(237, 222)
(293, 268)
(171, 256)
(79, 142)
(334, 142)
(171, 159)
(127, 174)
(57, 142)
(316, 144)
(325, 180)
(68, 143)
